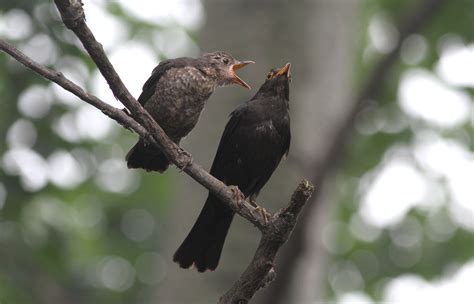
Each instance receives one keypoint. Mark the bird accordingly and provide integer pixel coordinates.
(255, 139)
(175, 95)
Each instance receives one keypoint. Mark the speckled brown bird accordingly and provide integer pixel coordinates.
(254, 141)
(175, 96)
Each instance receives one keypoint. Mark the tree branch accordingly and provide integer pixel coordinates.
(258, 274)
(274, 232)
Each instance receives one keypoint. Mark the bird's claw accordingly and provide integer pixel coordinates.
(237, 194)
(253, 202)
(263, 213)
(185, 161)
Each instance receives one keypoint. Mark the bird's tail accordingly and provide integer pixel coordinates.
(147, 157)
(203, 245)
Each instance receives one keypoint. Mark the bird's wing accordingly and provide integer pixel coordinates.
(247, 154)
(231, 126)
(158, 72)
(285, 133)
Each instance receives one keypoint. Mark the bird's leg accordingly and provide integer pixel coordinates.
(253, 201)
(185, 159)
(263, 213)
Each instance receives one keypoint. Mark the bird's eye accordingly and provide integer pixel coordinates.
(269, 75)
(225, 60)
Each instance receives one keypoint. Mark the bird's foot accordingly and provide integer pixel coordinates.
(269, 278)
(237, 194)
(127, 111)
(253, 202)
(185, 160)
(263, 213)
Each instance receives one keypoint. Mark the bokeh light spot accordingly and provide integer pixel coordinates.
(65, 127)
(29, 165)
(439, 226)
(117, 273)
(383, 34)
(354, 298)
(396, 188)
(151, 268)
(15, 19)
(414, 49)
(404, 257)
(41, 49)
(407, 233)
(113, 176)
(35, 101)
(22, 133)
(362, 230)
(137, 224)
(64, 170)
(345, 277)
(456, 64)
(423, 96)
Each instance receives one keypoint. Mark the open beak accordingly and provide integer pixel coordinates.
(236, 79)
(285, 71)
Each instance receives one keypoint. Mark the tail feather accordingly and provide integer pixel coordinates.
(203, 245)
(147, 157)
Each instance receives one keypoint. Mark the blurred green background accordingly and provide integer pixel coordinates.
(394, 222)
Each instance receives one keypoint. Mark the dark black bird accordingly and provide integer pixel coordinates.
(175, 95)
(252, 145)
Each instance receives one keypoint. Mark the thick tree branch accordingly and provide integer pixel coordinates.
(258, 274)
(275, 232)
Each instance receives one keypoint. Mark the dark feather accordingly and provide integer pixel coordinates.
(251, 147)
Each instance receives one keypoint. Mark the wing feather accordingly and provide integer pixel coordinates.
(158, 72)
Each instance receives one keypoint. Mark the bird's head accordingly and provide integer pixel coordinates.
(223, 66)
(277, 83)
